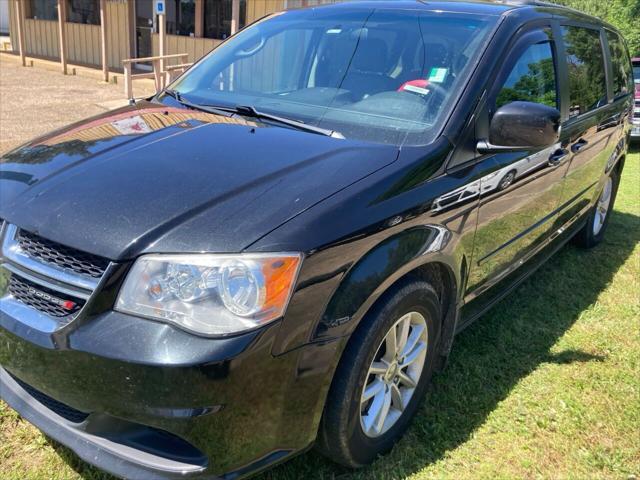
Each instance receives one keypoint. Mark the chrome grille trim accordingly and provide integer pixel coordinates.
(12, 252)
(29, 316)
(52, 253)
(43, 299)
(47, 270)
(51, 285)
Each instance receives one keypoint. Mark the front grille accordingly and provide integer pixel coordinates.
(64, 257)
(43, 299)
(64, 410)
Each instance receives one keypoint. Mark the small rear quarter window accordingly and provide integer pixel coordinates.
(620, 64)
(585, 63)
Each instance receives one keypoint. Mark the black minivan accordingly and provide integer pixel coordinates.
(278, 250)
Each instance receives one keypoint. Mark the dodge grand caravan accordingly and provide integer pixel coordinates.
(278, 250)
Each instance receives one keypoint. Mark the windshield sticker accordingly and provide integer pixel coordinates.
(438, 75)
(416, 86)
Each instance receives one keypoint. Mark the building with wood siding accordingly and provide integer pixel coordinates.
(102, 33)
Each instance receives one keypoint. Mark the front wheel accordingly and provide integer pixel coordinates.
(507, 180)
(382, 376)
(598, 220)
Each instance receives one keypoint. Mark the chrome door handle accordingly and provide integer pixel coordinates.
(557, 156)
(579, 145)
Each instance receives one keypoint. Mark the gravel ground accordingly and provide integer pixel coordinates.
(34, 101)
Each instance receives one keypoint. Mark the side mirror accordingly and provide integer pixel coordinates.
(521, 126)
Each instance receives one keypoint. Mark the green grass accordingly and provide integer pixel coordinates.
(546, 385)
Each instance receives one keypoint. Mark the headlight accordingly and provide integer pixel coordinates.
(210, 294)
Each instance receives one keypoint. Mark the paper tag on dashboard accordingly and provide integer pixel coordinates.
(418, 85)
(438, 75)
(414, 89)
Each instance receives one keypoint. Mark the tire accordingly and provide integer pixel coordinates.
(507, 180)
(342, 435)
(593, 231)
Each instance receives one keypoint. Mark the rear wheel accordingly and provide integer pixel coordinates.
(382, 376)
(598, 220)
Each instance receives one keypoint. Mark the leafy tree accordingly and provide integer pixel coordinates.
(622, 14)
(538, 86)
(587, 81)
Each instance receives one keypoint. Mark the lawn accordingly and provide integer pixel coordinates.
(546, 385)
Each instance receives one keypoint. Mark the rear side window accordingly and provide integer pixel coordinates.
(532, 79)
(585, 62)
(622, 73)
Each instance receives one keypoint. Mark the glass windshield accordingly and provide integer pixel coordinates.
(386, 76)
(636, 72)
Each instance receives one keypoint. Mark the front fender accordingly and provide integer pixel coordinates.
(369, 278)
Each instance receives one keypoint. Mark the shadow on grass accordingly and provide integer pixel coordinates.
(489, 358)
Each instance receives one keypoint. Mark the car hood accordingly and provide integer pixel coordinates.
(154, 178)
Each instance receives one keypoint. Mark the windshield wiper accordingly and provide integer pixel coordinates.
(203, 108)
(249, 111)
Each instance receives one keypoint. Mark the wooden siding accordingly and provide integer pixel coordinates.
(41, 38)
(13, 26)
(195, 47)
(199, 47)
(259, 8)
(118, 36)
(83, 43)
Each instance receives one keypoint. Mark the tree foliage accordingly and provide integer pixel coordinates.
(538, 85)
(623, 14)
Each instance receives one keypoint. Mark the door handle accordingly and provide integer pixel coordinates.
(557, 156)
(579, 145)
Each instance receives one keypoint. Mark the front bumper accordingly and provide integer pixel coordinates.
(148, 400)
(111, 453)
(635, 131)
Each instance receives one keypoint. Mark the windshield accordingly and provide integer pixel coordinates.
(387, 76)
(636, 72)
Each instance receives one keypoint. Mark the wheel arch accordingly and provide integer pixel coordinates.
(437, 269)
(421, 253)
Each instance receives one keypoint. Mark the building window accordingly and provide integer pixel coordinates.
(42, 9)
(181, 17)
(217, 18)
(83, 11)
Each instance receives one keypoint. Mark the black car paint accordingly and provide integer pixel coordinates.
(364, 215)
(124, 177)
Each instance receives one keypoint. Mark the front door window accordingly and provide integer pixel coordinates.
(532, 78)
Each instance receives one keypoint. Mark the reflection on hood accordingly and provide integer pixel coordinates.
(77, 140)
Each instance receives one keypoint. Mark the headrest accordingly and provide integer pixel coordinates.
(436, 54)
(372, 56)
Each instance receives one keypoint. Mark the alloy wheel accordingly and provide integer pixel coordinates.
(393, 374)
(506, 181)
